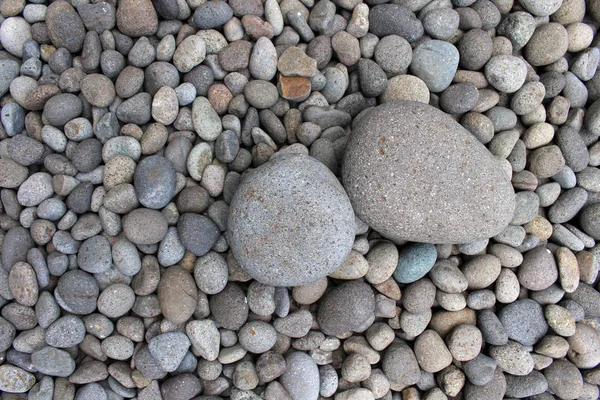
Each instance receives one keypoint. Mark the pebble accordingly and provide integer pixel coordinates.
(414, 262)
(435, 62)
(512, 358)
(229, 307)
(145, 226)
(548, 44)
(506, 73)
(169, 349)
(524, 321)
(301, 377)
(137, 18)
(393, 19)
(14, 32)
(428, 344)
(15, 380)
(564, 379)
(154, 182)
(346, 308)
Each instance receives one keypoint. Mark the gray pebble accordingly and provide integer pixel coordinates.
(65, 332)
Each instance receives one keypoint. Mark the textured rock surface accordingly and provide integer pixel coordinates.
(460, 195)
(290, 197)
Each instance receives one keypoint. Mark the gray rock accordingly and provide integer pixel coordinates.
(53, 362)
(197, 233)
(97, 17)
(9, 70)
(518, 27)
(480, 370)
(524, 321)
(492, 330)
(145, 226)
(136, 110)
(493, 390)
(78, 292)
(62, 108)
(15, 245)
(548, 44)
(65, 27)
(379, 145)
(301, 377)
(564, 379)
(95, 255)
(400, 365)
(65, 332)
(506, 73)
(13, 119)
(305, 189)
(155, 182)
(116, 300)
(525, 386)
(393, 54)
(257, 336)
(184, 386)
(435, 62)
(346, 308)
(393, 19)
(212, 14)
(16, 380)
(169, 349)
(229, 307)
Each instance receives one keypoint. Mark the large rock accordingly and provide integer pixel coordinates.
(290, 222)
(413, 173)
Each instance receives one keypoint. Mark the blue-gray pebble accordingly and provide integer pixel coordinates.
(415, 261)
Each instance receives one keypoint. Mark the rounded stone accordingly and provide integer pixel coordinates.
(197, 233)
(155, 182)
(538, 271)
(16, 380)
(95, 255)
(435, 62)
(590, 220)
(229, 307)
(177, 294)
(65, 27)
(14, 32)
(564, 379)
(77, 291)
(116, 300)
(547, 45)
(415, 261)
(301, 377)
(346, 308)
(137, 18)
(506, 73)
(145, 226)
(98, 90)
(381, 157)
(290, 197)
(524, 321)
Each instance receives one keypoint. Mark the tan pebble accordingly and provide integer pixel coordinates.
(568, 269)
(540, 227)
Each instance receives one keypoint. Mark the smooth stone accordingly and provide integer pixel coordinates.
(177, 294)
(65, 27)
(435, 62)
(415, 261)
(16, 380)
(379, 145)
(393, 19)
(14, 33)
(155, 182)
(301, 377)
(346, 307)
(311, 191)
(207, 123)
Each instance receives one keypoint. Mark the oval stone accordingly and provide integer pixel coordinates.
(413, 173)
(290, 222)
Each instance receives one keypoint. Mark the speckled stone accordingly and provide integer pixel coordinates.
(381, 147)
(283, 200)
(415, 261)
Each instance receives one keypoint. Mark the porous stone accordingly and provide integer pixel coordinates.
(379, 158)
(276, 257)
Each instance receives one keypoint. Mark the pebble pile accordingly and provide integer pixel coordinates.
(299, 199)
